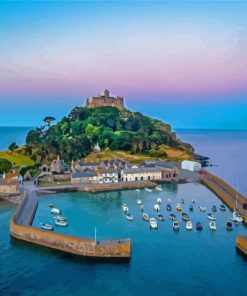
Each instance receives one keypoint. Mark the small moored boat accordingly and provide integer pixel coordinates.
(168, 207)
(199, 226)
(212, 225)
(210, 216)
(55, 211)
(214, 208)
(159, 200)
(51, 206)
(178, 207)
(125, 208)
(138, 190)
(139, 202)
(173, 217)
(158, 188)
(156, 208)
(223, 208)
(145, 217)
(61, 218)
(182, 200)
(46, 226)
(61, 223)
(191, 208)
(175, 226)
(202, 209)
(185, 217)
(236, 217)
(189, 225)
(142, 208)
(153, 223)
(160, 217)
(193, 201)
(229, 226)
(129, 217)
(148, 189)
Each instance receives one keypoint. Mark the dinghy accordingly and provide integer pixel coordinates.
(168, 208)
(61, 218)
(214, 208)
(148, 189)
(189, 225)
(202, 209)
(191, 208)
(211, 217)
(61, 223)
(159, 200)
(55, 211)
(153, 223)
(160, 217)
(178, 207)
(145, 217)
(212, 225)
(199, 226)
(142, 208)
(175, 226)
(46, 226)
(158, 188)
(125, 208)
(222, 208)
(236, 217)
(156, 208)
(139, 202)
(173, 217)
(129, 217)
(185, 217)
(229, 226)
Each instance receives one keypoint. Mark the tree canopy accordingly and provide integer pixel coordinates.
(5, 165)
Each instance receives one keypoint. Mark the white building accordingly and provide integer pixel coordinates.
(191, 165)
(107, 175)
(139, 174)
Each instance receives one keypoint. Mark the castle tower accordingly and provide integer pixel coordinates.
(106, 93)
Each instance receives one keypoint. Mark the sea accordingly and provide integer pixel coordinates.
(163, 261)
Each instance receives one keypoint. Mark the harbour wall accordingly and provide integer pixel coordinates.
(21, 228)
(228, 195)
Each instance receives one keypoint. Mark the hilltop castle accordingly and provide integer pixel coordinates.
(105, 100)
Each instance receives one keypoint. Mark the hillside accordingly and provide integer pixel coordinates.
(76, 134)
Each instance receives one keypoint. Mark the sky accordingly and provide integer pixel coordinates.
(184, 62)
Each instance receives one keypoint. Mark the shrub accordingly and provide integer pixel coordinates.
(5, 165)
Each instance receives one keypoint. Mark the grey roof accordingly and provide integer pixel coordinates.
(142, 170)
(83, 174)
(166, 164)
(106, 171)
(88, 163)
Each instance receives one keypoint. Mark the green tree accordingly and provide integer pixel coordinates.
(13, 146)
(48, 120)
(5, 165)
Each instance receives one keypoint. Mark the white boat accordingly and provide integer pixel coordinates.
(212, 225)
(46, 226)
(202, 209)
(139, 202)
(61, 223)
(125, 208)
(158, 188)
(142, 208)
(211, 217)
(138, 190)
(193, 201)
(179, 208)
(153, 223)
(55, 211)
(189, 225)
(129, 217)
(61, 218)
(156, 207)
(236, 217)
(159, 200)
(148, 189)
(169, 200)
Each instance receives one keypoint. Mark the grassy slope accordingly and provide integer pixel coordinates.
(16, 159)
(172, 155)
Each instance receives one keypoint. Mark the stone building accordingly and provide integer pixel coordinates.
(105, 100)
(9, 187)
(84, 177)
(141, 174)
(107, 175)
(58, 166)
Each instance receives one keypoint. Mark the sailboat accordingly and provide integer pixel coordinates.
(236, 217)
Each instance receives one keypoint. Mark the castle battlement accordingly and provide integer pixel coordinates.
(105, 100)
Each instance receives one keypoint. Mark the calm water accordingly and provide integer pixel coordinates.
(9, 135)
(184, 263)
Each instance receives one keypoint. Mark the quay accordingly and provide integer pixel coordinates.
(228, 195)
(21, 228)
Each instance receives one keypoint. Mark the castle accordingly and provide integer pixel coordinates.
(105, 100)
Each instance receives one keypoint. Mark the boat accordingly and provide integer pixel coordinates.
(61, 218)
(160, 217)
(199, 226)
(191, 208)
(61, 223)
(153, 223)
(158, 188)
(212, 225)
(182, 200)
(223, 208)
(202, 209)
(189, 225)
(129, 217)
(46, 226)
(214, 208)
(142, 208)
(55, 211)
(148, 189)
(185, 217)
(173, 217)
(125, 208)
(139, 202)
(145, 217)
(210, 216)
(169, 200)
(175, 226)
(193, 201)
(159, 200)
(168, 207)
(236, 217)
(229, 226)
(178, 207)
(138, 190)
(156, 207)
(51, 206)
